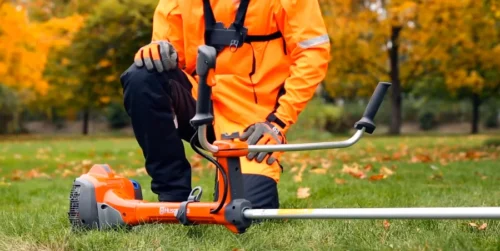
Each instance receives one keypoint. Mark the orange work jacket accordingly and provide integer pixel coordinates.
(286, 70)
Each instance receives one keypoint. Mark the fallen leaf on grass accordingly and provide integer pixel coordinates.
(326, 163)
(482, 227)
(318, 171)
(66, 173)
(196, 161)
(386, 224)
(474, 154)
(354, 171)
(397, 156)
(377, 177)
(141, 171)
(34, 173)
(298, 177)
(128, 173)
(303, 192)
(368, 167)
(420, 158)
(340, 181)
(386, 171)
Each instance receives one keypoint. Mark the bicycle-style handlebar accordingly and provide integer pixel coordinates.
(206, 62)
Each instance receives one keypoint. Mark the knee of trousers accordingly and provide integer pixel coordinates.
(139, 79)
(143, 88)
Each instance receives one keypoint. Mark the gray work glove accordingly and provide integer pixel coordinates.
(158, 55)
(263, 133)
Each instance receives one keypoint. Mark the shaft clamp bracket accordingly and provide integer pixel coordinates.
(181, 214)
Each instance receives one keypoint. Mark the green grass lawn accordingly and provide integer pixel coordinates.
(36, 177)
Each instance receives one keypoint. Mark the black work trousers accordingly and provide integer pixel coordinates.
(152, 100)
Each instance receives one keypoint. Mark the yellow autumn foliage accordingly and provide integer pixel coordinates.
(25, 46)
(456, 39)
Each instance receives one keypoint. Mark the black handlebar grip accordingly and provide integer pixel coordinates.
(371, 109)
(204, 63)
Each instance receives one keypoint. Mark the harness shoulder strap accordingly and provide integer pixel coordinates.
(234, 36)
(239, 20)
(209, 17)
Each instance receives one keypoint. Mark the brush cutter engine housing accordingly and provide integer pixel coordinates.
(88, 210)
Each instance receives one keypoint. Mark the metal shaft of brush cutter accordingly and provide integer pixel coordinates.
(377, 213)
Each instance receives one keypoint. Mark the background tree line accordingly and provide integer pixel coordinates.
(60, 60)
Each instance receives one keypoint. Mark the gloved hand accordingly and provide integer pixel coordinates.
(159, 54)
(263, 133)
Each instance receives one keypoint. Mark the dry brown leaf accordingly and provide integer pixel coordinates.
(17, 175)
(386, 224)
(368, 167)
(196, 161)
(386, 171)
(472, 224)
(340, 181)
(483, 226)
(66, 173)
(420, 158)
(474, 154)
(128, 173)
(318, 171)
(298, 177)
(141, 171)
(377, 177)
(397, 156)
(303, 192)
(326, 163)
(354, 171)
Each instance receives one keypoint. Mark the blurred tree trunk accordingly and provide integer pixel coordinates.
(476, 103)
(5, 120)
(86, 118)
(396, 101)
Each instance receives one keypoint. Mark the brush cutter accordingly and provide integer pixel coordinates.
(101, 199)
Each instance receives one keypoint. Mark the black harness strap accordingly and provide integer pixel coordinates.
(263, 38)
(209, 17)
(239, 20)
(218, 36)
(234, 36)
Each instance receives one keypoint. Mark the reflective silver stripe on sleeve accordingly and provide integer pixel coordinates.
(314, 41)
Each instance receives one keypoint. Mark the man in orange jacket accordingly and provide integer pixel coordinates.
(271, 55)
